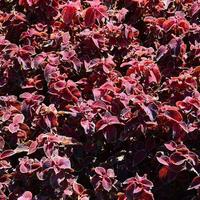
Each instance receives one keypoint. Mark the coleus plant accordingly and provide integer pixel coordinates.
(99, 99)
(137, 188)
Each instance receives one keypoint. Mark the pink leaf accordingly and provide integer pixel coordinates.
(101, 12)
(94, 3)
(6, 116)
(147, 183)
(60, 85)
(13, 128)
(2, 142)
(163, 160)
(18, 119)
(88, 126)
(33, 147)
(171, 146)
(107, 184)
(23, 169)
(100, 171)
(121, 14)
(110, 173)
(99, 104)
(62, 162)
(26, 196)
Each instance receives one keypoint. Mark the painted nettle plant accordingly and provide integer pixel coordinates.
(99, 99)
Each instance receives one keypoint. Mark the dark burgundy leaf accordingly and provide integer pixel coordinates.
(107, 121)
(195, 183)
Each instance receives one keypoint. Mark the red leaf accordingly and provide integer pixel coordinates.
(78, 188)
(174, 115)
(7, 154)
(101, 12)
(90, 16)
(163, 172)
(177, 158)
(22, 2)
(68, 13)
(95, 42)
(184, 25)
(168, 24)
(146, 195)
(121, 196)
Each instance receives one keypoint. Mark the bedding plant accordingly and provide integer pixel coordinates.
(99, 99)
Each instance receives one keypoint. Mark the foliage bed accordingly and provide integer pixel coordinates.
(99, 99)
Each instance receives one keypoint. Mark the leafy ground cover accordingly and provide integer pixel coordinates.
(99, 99)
